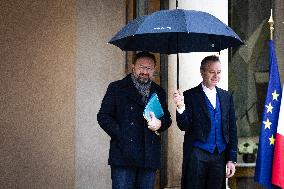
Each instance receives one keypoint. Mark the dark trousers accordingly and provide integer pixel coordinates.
(132, 178)
(205, 170)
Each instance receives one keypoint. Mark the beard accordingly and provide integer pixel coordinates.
(142, 78)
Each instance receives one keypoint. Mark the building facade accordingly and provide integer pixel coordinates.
(55, 67)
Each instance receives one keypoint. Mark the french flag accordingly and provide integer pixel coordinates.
(278, 158)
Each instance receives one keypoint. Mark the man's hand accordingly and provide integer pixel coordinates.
(155, 123)
(178, 98)
(231, 169)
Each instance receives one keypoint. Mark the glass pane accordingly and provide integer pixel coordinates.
(142, 7)
(248, 78)
(248, 67)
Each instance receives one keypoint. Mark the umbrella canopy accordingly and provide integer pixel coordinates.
(176, 31)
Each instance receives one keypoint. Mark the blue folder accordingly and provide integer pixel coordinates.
(154, 106)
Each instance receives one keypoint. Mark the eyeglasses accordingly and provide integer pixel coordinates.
(148, 69)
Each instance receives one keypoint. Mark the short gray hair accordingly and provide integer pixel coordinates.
(211, 58)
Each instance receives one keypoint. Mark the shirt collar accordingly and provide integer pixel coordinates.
(207, 90)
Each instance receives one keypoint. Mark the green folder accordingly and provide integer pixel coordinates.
(154, 106)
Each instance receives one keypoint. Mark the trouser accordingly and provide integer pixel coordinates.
(205, 170)
(132, 177)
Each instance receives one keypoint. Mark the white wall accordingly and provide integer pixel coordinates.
(97, 64)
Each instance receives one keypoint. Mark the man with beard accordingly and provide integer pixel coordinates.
(206, 114)
(135, 147)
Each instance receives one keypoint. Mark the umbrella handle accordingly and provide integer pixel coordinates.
(177, 71)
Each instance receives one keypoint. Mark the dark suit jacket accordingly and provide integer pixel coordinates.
(121, 117)
(195, 121)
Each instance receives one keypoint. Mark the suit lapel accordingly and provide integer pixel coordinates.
(222, 101)
(201, 100)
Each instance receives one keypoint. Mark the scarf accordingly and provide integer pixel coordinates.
(143, 88)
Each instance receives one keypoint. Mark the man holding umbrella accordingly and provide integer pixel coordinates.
(135, 147)
(206, 114)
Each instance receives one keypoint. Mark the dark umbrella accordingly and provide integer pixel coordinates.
(176, 31)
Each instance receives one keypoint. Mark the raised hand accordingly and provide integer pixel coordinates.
(179, 98)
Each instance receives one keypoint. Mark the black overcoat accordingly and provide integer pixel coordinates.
(121, 117)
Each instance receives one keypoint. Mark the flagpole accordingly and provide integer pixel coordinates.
(271, 23)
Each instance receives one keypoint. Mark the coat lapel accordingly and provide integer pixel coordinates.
(152, 90)
(131, 92)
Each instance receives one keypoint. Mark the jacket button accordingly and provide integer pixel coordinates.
(131, 108)
(131, 140)
(152, 142)
(131, 123)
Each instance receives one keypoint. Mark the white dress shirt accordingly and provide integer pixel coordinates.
(211, 95)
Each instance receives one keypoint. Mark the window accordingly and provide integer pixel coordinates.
(248, 64)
